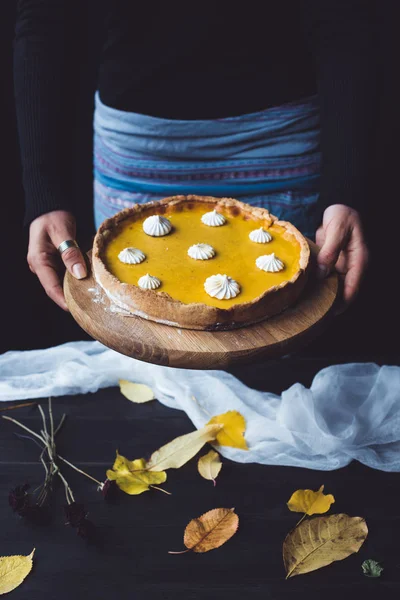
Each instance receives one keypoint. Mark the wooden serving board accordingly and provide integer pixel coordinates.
(184, 348)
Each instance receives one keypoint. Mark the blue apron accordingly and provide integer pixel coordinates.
(269, 159)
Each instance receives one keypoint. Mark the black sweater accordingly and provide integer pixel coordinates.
(198, 62)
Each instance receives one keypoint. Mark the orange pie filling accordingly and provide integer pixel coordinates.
(182, 277)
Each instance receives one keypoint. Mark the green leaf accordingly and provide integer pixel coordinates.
(371, 568)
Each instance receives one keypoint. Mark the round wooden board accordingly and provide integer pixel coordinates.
(184, 348)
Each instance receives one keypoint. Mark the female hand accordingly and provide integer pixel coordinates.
(45, 235)
(343, 247)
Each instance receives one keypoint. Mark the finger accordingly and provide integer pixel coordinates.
(336, 234)
(320, 237)
(357, 264)
(49, 279)
(74, 262)
(72, 257)
(342, 264)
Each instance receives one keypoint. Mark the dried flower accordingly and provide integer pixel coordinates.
(109, 491)
(19, 501)
(18, 498)
(75, 513)
(76, 517)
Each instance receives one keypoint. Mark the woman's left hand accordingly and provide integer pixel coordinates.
(343, 246)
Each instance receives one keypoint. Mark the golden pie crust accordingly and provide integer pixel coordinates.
(159, 306)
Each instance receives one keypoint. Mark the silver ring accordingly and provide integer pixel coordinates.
(67, 244)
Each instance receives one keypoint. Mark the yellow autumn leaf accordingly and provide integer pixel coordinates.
(234, 426)
(309, 502)
(13, 570)
(178, 452)
(210, 465)
(136, 392)
(132, 477)
(210, 531)
(321, 541)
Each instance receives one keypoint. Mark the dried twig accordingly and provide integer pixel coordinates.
(18, 406)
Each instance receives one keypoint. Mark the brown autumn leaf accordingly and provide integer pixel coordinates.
(210, 531)
(318, 542)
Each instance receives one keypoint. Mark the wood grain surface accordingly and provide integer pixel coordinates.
(184, 348)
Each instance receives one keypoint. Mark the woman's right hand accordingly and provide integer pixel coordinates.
(45, 235)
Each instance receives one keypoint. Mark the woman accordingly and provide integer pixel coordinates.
(275, 110)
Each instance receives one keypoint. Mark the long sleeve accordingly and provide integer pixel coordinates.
(43, 94)
(343, 36)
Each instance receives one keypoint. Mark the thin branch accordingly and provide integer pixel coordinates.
(24, 427)
(37, 488)
(27, 437)
(18, 406)
(79, 470)
(45, 466)
(44, 420)
(52, 442)
(61, 423)
(66, 486)
(51, 422)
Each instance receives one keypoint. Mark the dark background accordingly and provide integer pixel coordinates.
(29, 318)
(135, 535)
(129, 560)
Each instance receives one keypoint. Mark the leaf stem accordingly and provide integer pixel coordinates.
(161, 490)
(80, 471)
(181, 552)
(302, 518)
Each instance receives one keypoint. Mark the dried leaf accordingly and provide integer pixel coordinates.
(132, 477)
(13, 570)
(210, 465)
(178, 452)
(211, 530)
(318, 542)
(309, 502)
(136, 392)
(371, 568)
(234, 426)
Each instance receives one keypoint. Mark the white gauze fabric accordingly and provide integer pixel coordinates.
(351, 412)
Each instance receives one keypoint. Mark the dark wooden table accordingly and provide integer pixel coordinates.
(130, 559)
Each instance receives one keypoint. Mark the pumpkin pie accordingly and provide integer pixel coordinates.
(199, 262)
